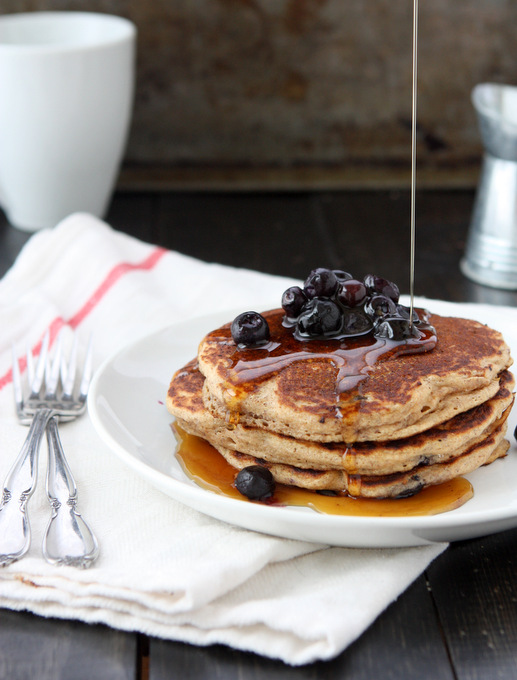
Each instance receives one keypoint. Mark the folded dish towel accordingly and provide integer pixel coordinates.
(164, 569)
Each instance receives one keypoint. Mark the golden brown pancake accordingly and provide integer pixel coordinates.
(438, 445)
(397, 485)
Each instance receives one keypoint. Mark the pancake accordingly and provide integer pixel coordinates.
(437, 445)
(359, 416)
(394, 398)
(397, 485)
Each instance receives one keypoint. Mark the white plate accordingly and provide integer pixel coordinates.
(126, 405)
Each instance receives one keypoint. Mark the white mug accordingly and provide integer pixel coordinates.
(66, 97)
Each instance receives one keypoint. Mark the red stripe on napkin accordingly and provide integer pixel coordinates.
(111, 279)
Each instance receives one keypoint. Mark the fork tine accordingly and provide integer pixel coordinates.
(68, 372)
(87, 371)
(40, 366)
(53, 368)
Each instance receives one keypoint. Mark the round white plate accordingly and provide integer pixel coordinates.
(127, 407)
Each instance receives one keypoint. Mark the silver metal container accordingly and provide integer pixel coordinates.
(491, 252)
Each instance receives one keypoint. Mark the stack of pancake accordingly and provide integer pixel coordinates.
(405, 422)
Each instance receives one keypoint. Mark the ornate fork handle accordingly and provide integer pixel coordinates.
(19, 485)
(68, 538)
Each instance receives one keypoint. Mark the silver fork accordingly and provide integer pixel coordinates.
(68, 539)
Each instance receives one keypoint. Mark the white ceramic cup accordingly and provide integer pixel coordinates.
(66, 98)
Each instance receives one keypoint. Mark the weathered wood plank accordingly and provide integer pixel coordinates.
(372, 231)
(475, 590)
(273, 233)
(134, 214)
(54, 649)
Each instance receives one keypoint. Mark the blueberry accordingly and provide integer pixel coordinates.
(355, 322)
(342, 276)
(393, 328)
(352, 293)
(293, 300)
(379, 306)
(250, 328)
(319, 318)
(376, 284)
(404, 313)
(321, 283)
(255, 482)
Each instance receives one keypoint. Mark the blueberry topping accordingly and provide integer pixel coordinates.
(334, 304)
(250, 329)
(352, 293)
(404, 313)
(255, 482)
(321, 283)
(319, 318)
(293, 300)
(394, 328)
(342, 276)
(379, 306)
(356, 322)
(376, 284)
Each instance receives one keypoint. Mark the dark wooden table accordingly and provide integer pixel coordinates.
(458, 621)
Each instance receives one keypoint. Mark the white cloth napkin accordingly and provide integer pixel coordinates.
(165, 569)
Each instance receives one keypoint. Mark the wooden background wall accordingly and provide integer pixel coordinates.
(281, 93)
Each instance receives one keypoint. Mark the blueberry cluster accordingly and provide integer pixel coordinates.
(333, 304)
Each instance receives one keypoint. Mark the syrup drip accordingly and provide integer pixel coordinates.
(349, 460)
(354, 357)
(204, 465)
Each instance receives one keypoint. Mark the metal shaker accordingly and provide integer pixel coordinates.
(491, 251)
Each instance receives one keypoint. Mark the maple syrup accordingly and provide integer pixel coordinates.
(353, 357)
(205, 466)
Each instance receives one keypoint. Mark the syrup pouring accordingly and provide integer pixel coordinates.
(413, 159)
(203, 463)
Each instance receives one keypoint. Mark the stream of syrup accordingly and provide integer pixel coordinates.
(413, 159)
(353, 359)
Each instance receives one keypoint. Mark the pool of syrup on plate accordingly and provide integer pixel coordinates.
(205, 466)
